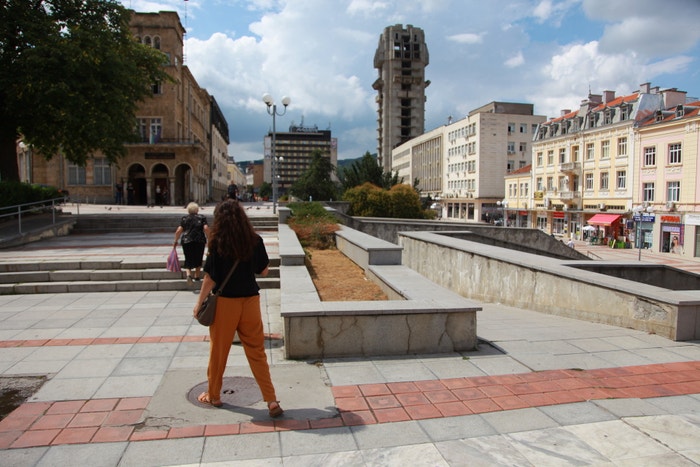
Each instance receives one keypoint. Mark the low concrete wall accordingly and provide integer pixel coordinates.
(493, 274)
(365, 249)
(422, 317)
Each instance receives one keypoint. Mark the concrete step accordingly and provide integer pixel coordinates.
(103, 276)
(158, 222)
(178, 284)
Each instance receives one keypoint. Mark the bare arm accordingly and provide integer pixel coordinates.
(178, 232)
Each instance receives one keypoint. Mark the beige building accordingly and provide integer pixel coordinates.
(183, 149)
(584, 163)
(516, 202)
(462, 164)
(666, 203)
(400, 59)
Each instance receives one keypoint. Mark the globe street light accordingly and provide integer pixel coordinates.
(272, 110)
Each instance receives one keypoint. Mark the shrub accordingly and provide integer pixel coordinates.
(14, 193)
(314, 226)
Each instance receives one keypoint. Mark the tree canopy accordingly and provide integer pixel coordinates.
(71, 77)
(366, 170)
(315, 183)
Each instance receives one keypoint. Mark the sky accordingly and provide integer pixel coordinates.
(320, 54)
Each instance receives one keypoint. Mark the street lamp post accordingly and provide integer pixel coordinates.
(504, 205)
(272, 110)
(639, 213)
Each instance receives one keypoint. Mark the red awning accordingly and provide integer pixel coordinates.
(603, 219)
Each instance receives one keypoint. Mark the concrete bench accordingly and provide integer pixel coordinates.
(420, 317)
(366, 250)
(290, 250)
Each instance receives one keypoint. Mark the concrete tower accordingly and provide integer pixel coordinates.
(401, 58)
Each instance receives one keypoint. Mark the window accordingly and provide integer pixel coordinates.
(608, 117)
(523, 147)
(142, 128)
(604, 179)
(589, 181)
(648, 192)
(534, 128)
(621, 146)
(621, 178)
(673, 191)
(562, 155)
(650, 156)
(538, 182)
(102, 172)
(624, 112)
(76, 174)
(590, 151)
(550, 157)
(156, 130)
(523, 128)
(563, 184)
(511, 128)
(674, 153)
(157, 88)
(574, 153)
(550, 183)
(511, 147)
(539, 159)
(605, 149)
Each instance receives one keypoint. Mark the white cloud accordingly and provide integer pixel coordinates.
(515, 61)
(467, 38)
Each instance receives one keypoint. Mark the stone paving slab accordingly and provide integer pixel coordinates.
(98, 346)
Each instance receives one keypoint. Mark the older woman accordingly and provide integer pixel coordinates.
(193, 229)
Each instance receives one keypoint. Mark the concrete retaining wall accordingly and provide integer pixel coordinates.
(493, 274)
(421, 316)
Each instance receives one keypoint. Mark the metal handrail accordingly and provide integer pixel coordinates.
(18, 209)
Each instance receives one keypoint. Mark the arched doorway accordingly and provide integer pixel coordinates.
(136, 185)
(161, 186)
(183, 184)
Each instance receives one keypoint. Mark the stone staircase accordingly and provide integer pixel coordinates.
(116, 274)
(103, 276)
(147, 223)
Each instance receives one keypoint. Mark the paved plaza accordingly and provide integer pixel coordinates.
(540, 390)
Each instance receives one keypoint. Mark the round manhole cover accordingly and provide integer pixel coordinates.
(237, 391)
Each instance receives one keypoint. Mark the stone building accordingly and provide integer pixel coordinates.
(182, 153)
(400, 59)
(584, 164)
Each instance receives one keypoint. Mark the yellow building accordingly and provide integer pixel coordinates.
(182, 154)
(584, 161)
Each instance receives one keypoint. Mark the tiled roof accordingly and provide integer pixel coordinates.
(522, 170)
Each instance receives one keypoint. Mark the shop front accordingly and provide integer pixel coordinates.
(608, 227)
(672, 234)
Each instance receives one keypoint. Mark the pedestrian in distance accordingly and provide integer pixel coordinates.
(193, 229)
(233, 238)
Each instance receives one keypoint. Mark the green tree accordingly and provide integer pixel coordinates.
(315, 183)
(367, 170)
(265, 190)
(368, 200)
(405, 202)
(71, 77)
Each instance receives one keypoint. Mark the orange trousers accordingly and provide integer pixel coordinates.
(242, 315)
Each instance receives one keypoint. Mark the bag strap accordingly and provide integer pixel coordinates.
(230, 273)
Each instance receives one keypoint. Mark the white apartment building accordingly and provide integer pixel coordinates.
(583, 162)
(462, 164)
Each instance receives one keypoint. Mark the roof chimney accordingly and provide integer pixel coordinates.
(608, 96)
(644, 88)
(565, 112)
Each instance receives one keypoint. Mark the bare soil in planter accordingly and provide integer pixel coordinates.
(338, 279)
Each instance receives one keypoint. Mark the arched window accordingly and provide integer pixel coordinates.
(147, 40)
(156, 42)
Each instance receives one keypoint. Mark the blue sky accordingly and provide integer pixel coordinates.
(320, 53)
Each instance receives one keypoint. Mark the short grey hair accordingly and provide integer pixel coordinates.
(193, 208)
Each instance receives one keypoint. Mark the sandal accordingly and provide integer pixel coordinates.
(274, 409)
(204, 398)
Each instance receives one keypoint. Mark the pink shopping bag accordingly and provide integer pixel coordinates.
(173, 264)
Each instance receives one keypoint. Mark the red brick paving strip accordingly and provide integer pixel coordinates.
(109, 420)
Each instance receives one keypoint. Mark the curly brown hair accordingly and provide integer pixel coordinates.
(232, 235)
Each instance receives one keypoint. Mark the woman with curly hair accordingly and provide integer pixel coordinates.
(232, 238)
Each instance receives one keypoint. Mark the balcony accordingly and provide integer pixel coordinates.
(568, 167)
(569, 195)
